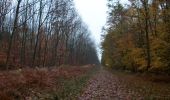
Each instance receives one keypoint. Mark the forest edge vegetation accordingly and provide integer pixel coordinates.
(137, 36)
(43, 33)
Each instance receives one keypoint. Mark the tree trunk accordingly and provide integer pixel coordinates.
(145, 4)
(12, 35)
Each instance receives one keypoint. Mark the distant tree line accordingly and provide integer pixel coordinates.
(138, 36)
(43, 33)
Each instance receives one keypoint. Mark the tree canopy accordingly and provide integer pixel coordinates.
(43, 33)
(137, 36)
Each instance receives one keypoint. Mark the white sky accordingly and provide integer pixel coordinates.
(93, 13)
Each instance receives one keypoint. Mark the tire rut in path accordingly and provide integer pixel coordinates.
(106, 86)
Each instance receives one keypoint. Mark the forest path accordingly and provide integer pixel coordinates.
(106, 86)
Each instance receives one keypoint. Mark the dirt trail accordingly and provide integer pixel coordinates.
(107, 86)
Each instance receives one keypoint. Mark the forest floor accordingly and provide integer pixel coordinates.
(117, 85)
(81, 83)
(55, 83)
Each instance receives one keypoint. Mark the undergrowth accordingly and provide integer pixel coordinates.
(149, 87)
(44, 84)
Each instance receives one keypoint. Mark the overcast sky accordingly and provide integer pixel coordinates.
(93, 13)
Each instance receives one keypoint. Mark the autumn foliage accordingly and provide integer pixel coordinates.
(137, 36)
(29, 83)
(43, 33)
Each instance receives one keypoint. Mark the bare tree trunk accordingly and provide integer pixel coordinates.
(12, 35)
(23, 47)
(145, 4)
(37, 38)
